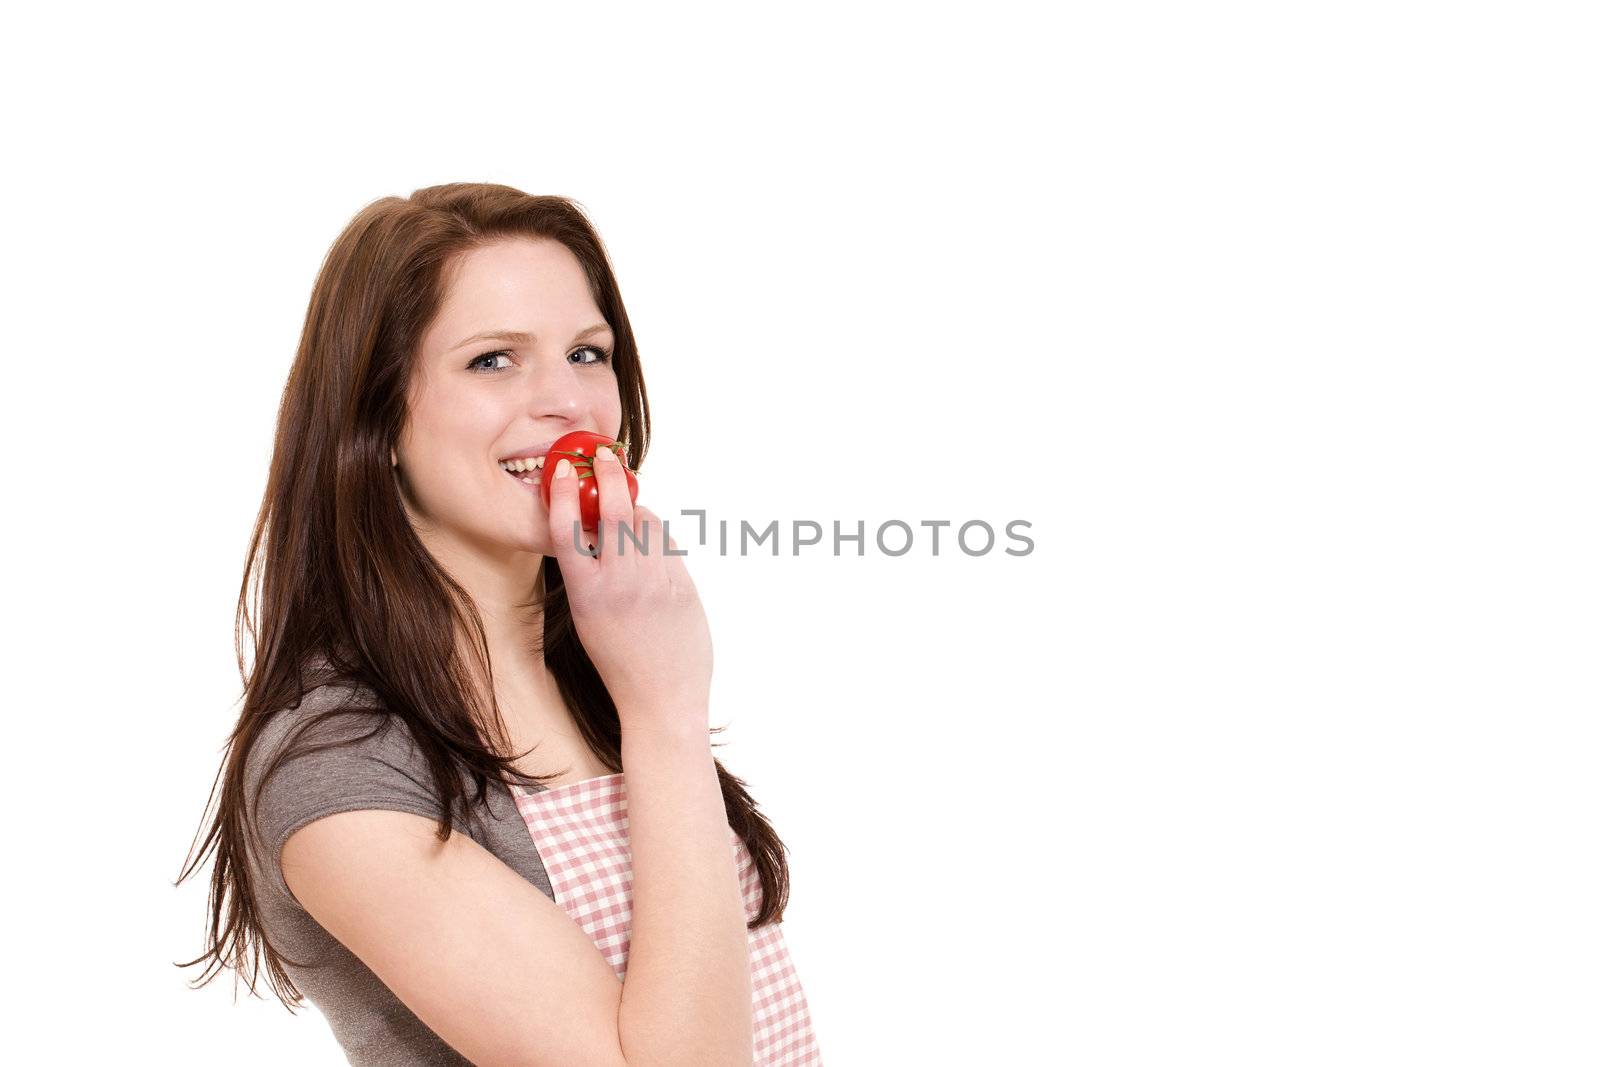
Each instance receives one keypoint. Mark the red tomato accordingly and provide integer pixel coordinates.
(579, 446)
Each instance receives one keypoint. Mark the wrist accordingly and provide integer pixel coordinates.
(668, 723)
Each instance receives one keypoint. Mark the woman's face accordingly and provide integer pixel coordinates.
(475, 400)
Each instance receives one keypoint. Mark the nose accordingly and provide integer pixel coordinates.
(557, 396)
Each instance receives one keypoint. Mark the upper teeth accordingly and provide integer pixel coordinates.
(536, 463)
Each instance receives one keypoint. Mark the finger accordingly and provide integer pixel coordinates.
(658, 527)
(564, 518)
(647, 531)
(651, 525)
(616, 506)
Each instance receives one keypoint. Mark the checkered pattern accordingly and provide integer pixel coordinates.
(581, 832)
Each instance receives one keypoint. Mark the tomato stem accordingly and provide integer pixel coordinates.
(582, 463)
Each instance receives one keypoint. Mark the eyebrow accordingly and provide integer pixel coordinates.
(522, 338)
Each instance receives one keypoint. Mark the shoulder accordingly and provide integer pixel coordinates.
(327, 713)
(329, 726)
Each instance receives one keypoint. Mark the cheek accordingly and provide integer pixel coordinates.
(455, 432)
(607, 408)
(446, 456)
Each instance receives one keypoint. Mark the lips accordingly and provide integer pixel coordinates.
(531, 452)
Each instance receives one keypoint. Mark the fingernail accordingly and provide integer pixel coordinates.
(563, 467)
(605, 453)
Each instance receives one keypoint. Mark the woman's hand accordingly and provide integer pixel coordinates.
(636, 610)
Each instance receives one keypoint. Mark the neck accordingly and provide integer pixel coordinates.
(507, 588)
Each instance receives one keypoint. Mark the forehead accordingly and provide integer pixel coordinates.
(535, 286)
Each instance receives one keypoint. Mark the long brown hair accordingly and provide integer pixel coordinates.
(333, 554)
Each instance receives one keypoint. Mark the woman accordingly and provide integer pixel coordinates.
(438, 653)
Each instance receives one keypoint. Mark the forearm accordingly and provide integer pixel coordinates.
(686, 998)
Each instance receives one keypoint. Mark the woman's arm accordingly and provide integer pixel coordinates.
(687, 995)
(488, 962)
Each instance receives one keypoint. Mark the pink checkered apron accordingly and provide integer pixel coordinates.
(581, 832)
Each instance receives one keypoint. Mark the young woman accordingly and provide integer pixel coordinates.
(425, 821)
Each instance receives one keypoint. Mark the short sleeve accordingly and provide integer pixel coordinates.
(334, 766)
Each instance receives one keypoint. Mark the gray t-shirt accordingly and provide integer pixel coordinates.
(384, 771)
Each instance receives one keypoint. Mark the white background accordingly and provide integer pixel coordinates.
(1277, 322)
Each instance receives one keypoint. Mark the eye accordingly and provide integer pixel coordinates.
(473, 366)
(601, 356)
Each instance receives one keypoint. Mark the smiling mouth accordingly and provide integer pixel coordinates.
(526, 471)
(522, 466)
